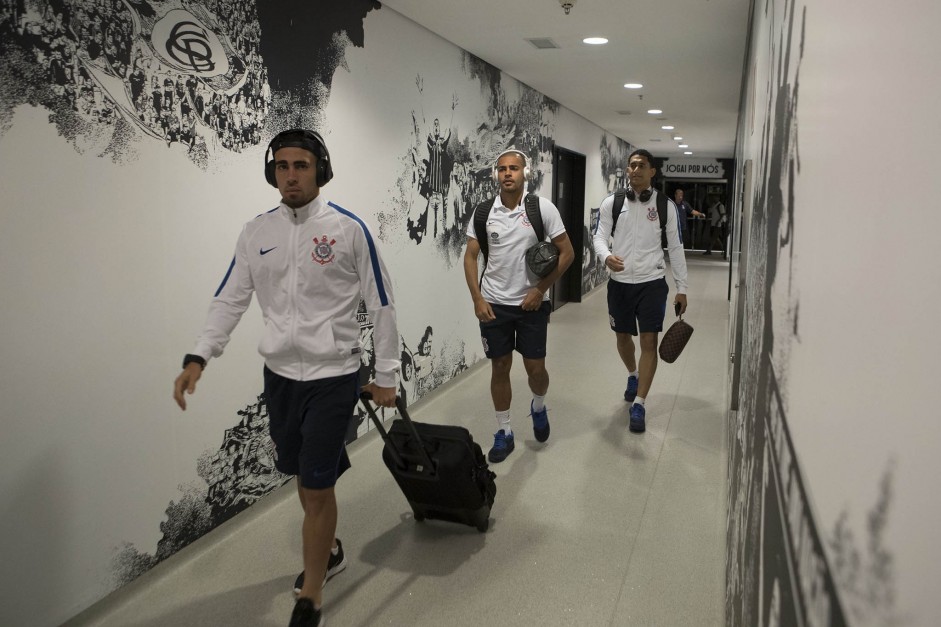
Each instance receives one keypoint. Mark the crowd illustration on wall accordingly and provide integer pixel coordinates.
(446, 174)
(114, 70)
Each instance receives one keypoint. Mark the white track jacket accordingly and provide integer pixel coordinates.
(637, 241)
(309, 267)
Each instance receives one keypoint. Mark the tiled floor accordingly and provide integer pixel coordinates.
(598, 526)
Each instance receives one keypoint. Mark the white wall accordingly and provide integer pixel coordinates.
(845, 215)
(108, 266)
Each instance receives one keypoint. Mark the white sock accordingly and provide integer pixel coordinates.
(639, 401)
(503, 421)
(539, 402)
(636, 373)
(335, 550)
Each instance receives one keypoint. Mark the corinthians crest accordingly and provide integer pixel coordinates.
(323, 250)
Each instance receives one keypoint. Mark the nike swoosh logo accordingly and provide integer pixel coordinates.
(262, 251)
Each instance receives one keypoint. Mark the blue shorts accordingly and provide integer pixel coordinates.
(514, 328)
(637, 304)
(308, 422)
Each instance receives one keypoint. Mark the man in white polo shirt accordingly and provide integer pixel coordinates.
(510, 301)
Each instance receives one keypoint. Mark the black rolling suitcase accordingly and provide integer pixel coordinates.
(439, 468)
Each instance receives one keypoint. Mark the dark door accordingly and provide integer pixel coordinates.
(568, 194)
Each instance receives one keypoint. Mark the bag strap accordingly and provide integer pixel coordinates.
(535, 216)
(616, 208)
(662, 213)
(480, 226)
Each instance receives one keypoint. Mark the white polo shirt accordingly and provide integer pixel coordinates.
(507, 278)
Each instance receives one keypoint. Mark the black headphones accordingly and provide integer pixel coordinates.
(512, 151)
(300, 138)
(644, 195)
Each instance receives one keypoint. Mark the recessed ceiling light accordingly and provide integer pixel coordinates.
(633, 85)
(595, 41)
(677, 138)
(683, 146)
(654, 111)
(667, 127)
(688, 152)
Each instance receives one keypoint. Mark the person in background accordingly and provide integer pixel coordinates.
(718, 218)
(685, 212)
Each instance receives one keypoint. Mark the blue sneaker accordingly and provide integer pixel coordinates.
(638, 421)
(631, 392)
(540, 423)
(503, 445)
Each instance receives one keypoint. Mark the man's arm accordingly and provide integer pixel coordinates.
(482, 309)
(230, 302)
(534, 298)
(677, 256)
(602, 236)
(376, 289)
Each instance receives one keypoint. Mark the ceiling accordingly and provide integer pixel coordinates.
(688, 54)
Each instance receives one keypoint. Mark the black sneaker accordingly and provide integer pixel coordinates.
(335, 565)
(306, 615)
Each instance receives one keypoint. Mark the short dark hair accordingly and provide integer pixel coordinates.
(646, 155)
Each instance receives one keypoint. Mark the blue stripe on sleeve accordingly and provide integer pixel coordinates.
(373, 255)
(225, 278)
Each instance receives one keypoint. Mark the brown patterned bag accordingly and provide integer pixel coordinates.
(675, 339)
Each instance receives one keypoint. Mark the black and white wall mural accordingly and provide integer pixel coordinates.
(167, 107)
(810, 530)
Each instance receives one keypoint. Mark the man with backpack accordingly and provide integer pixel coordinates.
(642, 222)
(510, 300)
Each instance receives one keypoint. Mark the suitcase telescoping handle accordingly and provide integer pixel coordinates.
(366, 398)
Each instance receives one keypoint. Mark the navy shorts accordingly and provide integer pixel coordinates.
(637, 304)
(308, 422)
(514, 328)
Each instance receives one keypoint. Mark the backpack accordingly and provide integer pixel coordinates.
(483, 210)
(661, 211)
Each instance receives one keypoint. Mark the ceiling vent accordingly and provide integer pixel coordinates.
(543, 43)
(655, 140)
(623, 112)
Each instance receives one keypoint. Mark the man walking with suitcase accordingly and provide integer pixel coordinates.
(510, 301)
(309, 262)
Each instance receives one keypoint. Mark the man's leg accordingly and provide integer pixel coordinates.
(626, 351)
(648, 363)
(538, 376)
(500, 388)
(317, 532)
(539, 384)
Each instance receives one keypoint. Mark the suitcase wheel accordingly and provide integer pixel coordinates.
(482, 527)
(418, 516)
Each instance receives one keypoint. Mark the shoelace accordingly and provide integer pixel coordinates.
(499, 440)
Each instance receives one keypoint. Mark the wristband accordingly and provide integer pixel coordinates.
(194, 359)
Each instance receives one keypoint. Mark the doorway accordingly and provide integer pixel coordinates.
(568, 194)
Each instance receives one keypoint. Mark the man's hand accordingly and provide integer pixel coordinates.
(381, 396)
(615, 263)
(186, 382)
(681, 299)
(483, 311)
(533, 299)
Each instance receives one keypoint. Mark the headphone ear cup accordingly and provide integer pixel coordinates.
(645, 195)
(269, 174)
(630, 193)
(324, 170)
